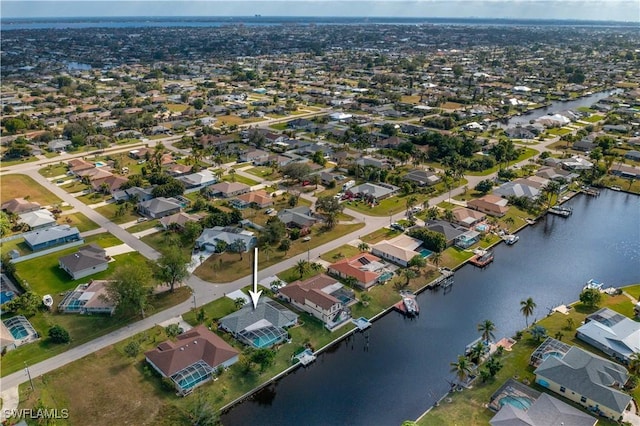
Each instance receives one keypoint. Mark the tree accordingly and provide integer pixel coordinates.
(538, 332)
(130, 289)
(296, 171)
(477, 351)
(417, 262)
(263, 357)
(526, 308)
(486, 329)
(239, 302)
(634, 363)
(410, 204)
(201, 412)
(363, 247)
(267, 250)
(409, 274)
(293, 200)
(550, 189)
(238, 246)
(221, 246)
(172, 267)
(493, 365)
(302, 266)
(484, 186)
(172, 330)
(132, 349)
(461, 368)
(274, 230)
(58, 334)
(190, 232)
(431, 240)
(285, 245)
(6, 265)
(436, 258)
(591, 297)
(26, 304)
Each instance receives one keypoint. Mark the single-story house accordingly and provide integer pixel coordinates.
(110, 183)
(139, 153)
(543, 410)
(327, 177)
(89, 298)
(576, 163)
(422, 177)
(374, 191)
(584, 145)
(467, 239)
(58, 145)
(77, 165)
(318, 296)
(467, 217)
(632, 155)
(192, 359)
(199, 180)
(261, 327)
(209, 238)
(19, 205)
(51, 236)
(367, 270)
(612, 333)
(16, 326)
(586, 379)
(298, 217)
(399, 250)
(517, 188)
(260, 199)
(448, 229)
(257, 157)
(179, 219)
(490, 204)
(556, 174)
(95, 173)
(38, 219)
(88, 260)
(135, 192)
(229, 189)
(159, 207)
(626, 172)
(374, 162)
(178, 169)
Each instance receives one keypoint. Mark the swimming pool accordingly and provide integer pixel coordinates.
(99, 164)
(482, 227)
(520, 402)
(425, 253)
(6, 296)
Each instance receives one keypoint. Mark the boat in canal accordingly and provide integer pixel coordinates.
(511, 239)
(482, 258)
(593, 284)
(410, 304)
(561, 211)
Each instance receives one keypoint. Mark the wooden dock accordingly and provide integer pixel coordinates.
(482, 260)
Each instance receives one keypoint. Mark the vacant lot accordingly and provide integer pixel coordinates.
(78, 220)
(15, 186)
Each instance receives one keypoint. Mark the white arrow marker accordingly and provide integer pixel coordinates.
(255, 294)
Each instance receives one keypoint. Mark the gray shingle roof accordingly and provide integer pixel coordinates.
(50, 234)
(267, 309)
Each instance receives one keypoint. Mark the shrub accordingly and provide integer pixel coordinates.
(172, 330)
(132, 349)
(58, 334)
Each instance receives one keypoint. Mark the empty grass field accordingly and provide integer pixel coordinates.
(16, 186)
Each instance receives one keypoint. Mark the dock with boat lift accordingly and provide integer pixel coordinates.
(561, 211)
(482, 258)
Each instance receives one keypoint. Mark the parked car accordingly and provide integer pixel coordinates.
(396, 225)
(269, 211)
(142, 219)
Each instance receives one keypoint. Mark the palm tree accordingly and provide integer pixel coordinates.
(301, 267)
(363, 247)
(268, 250)
(550, 189)
(448, 215)
(634, 363)
(486, 329)
(462, 368)
(316, 267)
(232, 173)
(527, 307)
(409, 274)
(411, 202)
(509, 221)
(477, 351)
(436, 258)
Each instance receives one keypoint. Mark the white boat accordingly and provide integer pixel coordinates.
(410, 305)
(593, 284)
(561, 211)
(511, 239)
(47, 300)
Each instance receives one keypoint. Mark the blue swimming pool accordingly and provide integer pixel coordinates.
(520, 402)
(6, 296)
(99, 164)
(425, 253)
(482, 228)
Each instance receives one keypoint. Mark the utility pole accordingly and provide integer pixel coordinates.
(194, 302)
(26, 368)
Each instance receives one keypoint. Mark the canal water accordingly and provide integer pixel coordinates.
(556, 106)
(400, 367)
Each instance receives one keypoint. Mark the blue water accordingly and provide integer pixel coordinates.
(6, 296)
(19, 332)
(426, 253)
(516, 401)
(399, 367)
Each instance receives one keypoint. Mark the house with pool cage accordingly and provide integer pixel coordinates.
(262, 327)
(16, 331)
(193, 359)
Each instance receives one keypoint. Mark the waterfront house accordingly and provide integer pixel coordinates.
(38, 219)
(399, 250)
(612, 333)
(467, 239)
(632, 155)
(557, 174)
(517, 188)
(533, 408)
(365, 269)
(584, 378)
(88, 260)
(297, 217)
(208, 239)
(229, 189)
(467, 217)
(192, 359)
(322, 296)
(490, 204)
(89, 298)
(626, 172)
(261, 327)
(51, 236)
(19, 205)
(159, 207)
(448, 229)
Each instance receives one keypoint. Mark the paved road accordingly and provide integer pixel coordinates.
(204, 292)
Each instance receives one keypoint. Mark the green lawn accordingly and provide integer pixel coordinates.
(53, 170)
(93, 198)
(81, 328)
(15, 186)
(453, 257)
(143, 226)
(109, 211)
(387, 206)
(559, 131)
(593, 118)
(75, 186)
(379, 235)
(268, 173)
(78, 220)
(468, 407)
(238, 178)
(7, 163)
(528, 153)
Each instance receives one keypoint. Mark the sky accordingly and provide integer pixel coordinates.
(614, 10)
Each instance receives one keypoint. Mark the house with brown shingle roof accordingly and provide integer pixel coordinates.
(318, 296)
(467, 217)
(192, 359)
(113, 183)
(259, 199)
(19, 205)
(490, 204)
(77, 165)
(229, 189)
(365, 268)
(179, 219)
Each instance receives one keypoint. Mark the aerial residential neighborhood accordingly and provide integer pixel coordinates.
(317, 218)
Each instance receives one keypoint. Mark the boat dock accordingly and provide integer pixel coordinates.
(590, 191)
(561, 211)
(362, 323)
(408, 305)
(306, 357)
(510, 239)
(482, 259)
(445, 279)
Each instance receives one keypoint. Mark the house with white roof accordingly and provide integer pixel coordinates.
(399, 250)
(612, 333)
(38, 219)
(209, 238)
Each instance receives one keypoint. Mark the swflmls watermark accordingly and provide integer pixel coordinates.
(37, 413)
